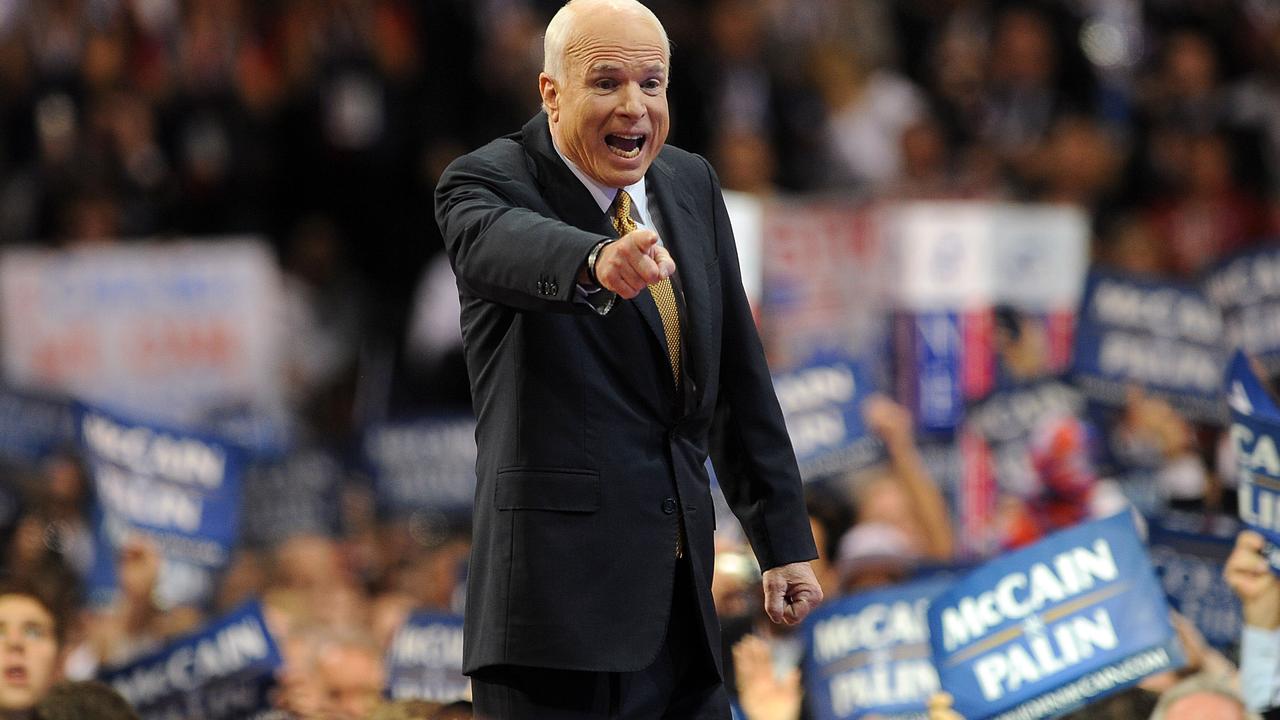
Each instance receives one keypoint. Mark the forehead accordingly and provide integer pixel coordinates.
(616, 40)
(23, 609)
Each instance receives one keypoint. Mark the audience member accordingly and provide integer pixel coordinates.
(84, 700)
(33, 630)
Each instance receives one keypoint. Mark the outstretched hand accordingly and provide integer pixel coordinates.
(791, 592)
(633, 262)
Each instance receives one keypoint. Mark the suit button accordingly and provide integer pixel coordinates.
(555, 289)
(669, 506)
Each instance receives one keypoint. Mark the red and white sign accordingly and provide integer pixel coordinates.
(165, 330)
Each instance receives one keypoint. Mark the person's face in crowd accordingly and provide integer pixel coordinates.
(924, 150)
(1191, 66)
(1134, 247)
(1205, 705)
(608, 112)
(30, 652)
(1209, 166)
(310, 562)
(883, 499)
(352, 678)
(745, 160)
(1023, 52)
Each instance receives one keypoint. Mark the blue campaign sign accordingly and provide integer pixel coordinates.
(297, 494)
(226, 671)
(1163, 337)
(425, 659)
(1189, 559)
(939, 350)
(867, 655)
(1246, 288)
(179, 490)
(1041, 631)
(428, 463)
(1255, 427)
(33, 425)
(822, 405)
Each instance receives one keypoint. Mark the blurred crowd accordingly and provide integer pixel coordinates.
(322, 125)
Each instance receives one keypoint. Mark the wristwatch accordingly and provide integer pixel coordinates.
(592, 257)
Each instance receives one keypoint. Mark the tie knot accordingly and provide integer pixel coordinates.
(622, 220)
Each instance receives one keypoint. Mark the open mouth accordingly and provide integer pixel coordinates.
(15, 675)
(625, 146)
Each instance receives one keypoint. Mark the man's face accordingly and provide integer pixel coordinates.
(608, 113)
(29, 655)
(353, 679)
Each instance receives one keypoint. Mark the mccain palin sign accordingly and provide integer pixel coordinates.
(425, 659)
(1054, 626)
(1160, 336)
(867, 655)
(1247, 290)
(178, 489)
(1189, 552)
(822, 404)
(1255, 429)
(226, 671)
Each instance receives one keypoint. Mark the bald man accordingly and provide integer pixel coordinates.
(608, 339)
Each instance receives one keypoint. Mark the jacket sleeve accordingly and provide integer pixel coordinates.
(751, 450)
(503, 250)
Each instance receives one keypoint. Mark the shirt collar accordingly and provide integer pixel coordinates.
(604, 195)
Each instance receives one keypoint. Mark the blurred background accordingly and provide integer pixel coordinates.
(998, 251)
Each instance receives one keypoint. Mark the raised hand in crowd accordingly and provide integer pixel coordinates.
(1154, 422)
(893, 424)
(761, 693)
(135, 624)
(1202, 660)
(1250, 576)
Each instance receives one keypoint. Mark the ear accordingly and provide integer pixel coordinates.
(550, 96)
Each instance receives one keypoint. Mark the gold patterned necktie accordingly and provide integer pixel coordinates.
(663, 294)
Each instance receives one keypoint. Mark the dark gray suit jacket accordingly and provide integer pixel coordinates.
(588, 456)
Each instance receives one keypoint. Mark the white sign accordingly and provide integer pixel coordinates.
(968, 255)
(167, 331)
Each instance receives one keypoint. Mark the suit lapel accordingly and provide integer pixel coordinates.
(689, 252)
(572, 202)
(566, 195)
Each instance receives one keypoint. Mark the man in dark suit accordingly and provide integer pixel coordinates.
(607, 336)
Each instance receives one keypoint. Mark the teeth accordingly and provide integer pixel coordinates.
(621, 153)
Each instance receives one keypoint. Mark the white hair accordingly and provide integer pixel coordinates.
(1194, 685)
(560, 28)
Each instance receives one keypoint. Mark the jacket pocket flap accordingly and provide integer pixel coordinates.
(548, 489)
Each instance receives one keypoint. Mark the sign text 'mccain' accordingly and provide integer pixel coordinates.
(1041, 650)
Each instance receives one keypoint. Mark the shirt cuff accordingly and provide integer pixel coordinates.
(1260, 667)
(595, 297)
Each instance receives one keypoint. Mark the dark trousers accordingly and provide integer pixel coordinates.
(681, 683)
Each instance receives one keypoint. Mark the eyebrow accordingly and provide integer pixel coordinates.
(599, 68)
